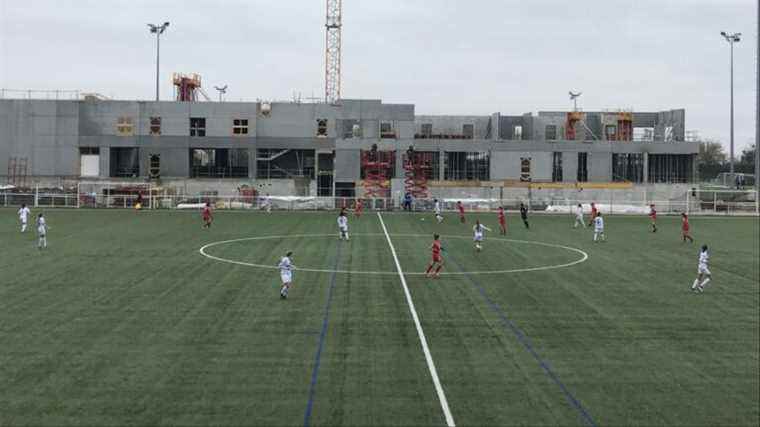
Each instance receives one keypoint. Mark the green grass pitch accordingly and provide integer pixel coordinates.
(121, 321)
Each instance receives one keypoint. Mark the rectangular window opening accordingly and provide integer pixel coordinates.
(219, 162)
(468, 131)
(551, 132)
(466, 166)
(582, 167)
(197, 126)
(387, 131)
(155, 125)
(240, 126)
(321, 128)
(557, 167)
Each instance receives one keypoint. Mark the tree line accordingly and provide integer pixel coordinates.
(713, 159)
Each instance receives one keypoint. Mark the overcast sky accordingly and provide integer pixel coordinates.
(446, 57)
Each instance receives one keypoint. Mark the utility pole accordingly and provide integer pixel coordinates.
(158, 30)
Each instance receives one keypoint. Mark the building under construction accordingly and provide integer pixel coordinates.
(353, 147)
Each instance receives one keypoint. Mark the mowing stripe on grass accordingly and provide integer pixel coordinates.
(420, 332)
(523, 339)
(320, 346)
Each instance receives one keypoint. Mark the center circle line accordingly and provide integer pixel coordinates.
(584, 255)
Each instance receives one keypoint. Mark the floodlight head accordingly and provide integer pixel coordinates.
(723, 33)
(166, 24)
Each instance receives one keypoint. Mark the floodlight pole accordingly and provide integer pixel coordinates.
(732, 38)
(158, 30)
(757, 116)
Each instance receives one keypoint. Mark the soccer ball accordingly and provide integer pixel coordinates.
(422, 219)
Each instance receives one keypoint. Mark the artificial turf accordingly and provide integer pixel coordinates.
(121, 321)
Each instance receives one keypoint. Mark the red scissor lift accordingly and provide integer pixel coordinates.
(378, 168)
(417, 167)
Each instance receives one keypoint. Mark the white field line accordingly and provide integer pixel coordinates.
(420, 332)
(583, 255)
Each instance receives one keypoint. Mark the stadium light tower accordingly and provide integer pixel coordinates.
(333, 26)
(158, 30)
(732, 38)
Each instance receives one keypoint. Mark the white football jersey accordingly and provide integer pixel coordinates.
(342, 222)
(599, 223)
(285, 265)
(438, 207)
(704, 258)
(23, 214)
(41, 225)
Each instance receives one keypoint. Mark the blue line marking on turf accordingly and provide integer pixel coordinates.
(528, 346)
(322, 335)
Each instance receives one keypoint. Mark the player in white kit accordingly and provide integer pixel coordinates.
(286, 274)
(267, 203)
(599, 228)
(579, 216)
(23, 216)
(343, 225)
(478, 230)
(702, 271)
(41, 232)
(437, 208)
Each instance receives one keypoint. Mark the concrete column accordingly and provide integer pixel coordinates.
(252, 163)
(441, 158)
(400, 161)
(646, 168)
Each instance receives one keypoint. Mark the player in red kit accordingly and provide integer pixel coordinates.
(502, 221)
(594, 212)
(437, 261)
(653, 216)
(207, 216)
(358, 209)
(460, 206)
(685, 228)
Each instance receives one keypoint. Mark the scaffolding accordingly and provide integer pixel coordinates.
(377, 168)
(187, 87)
(624, 126)
(417, 167)
(573, 118)
(17, 171)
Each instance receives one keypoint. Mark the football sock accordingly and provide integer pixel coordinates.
(430, 267)
(438, 269)
(704, 283)
(694, 285)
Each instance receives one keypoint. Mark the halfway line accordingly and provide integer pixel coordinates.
(420, 333)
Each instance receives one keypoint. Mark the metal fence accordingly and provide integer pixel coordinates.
(708, 203)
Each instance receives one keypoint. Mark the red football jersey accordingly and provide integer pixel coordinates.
(436, 247)
(685, 224)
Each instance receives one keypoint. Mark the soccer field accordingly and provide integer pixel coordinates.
(122, 320)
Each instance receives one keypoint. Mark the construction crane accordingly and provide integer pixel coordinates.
(333, 26)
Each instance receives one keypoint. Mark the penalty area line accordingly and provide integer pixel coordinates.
(420, 332)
